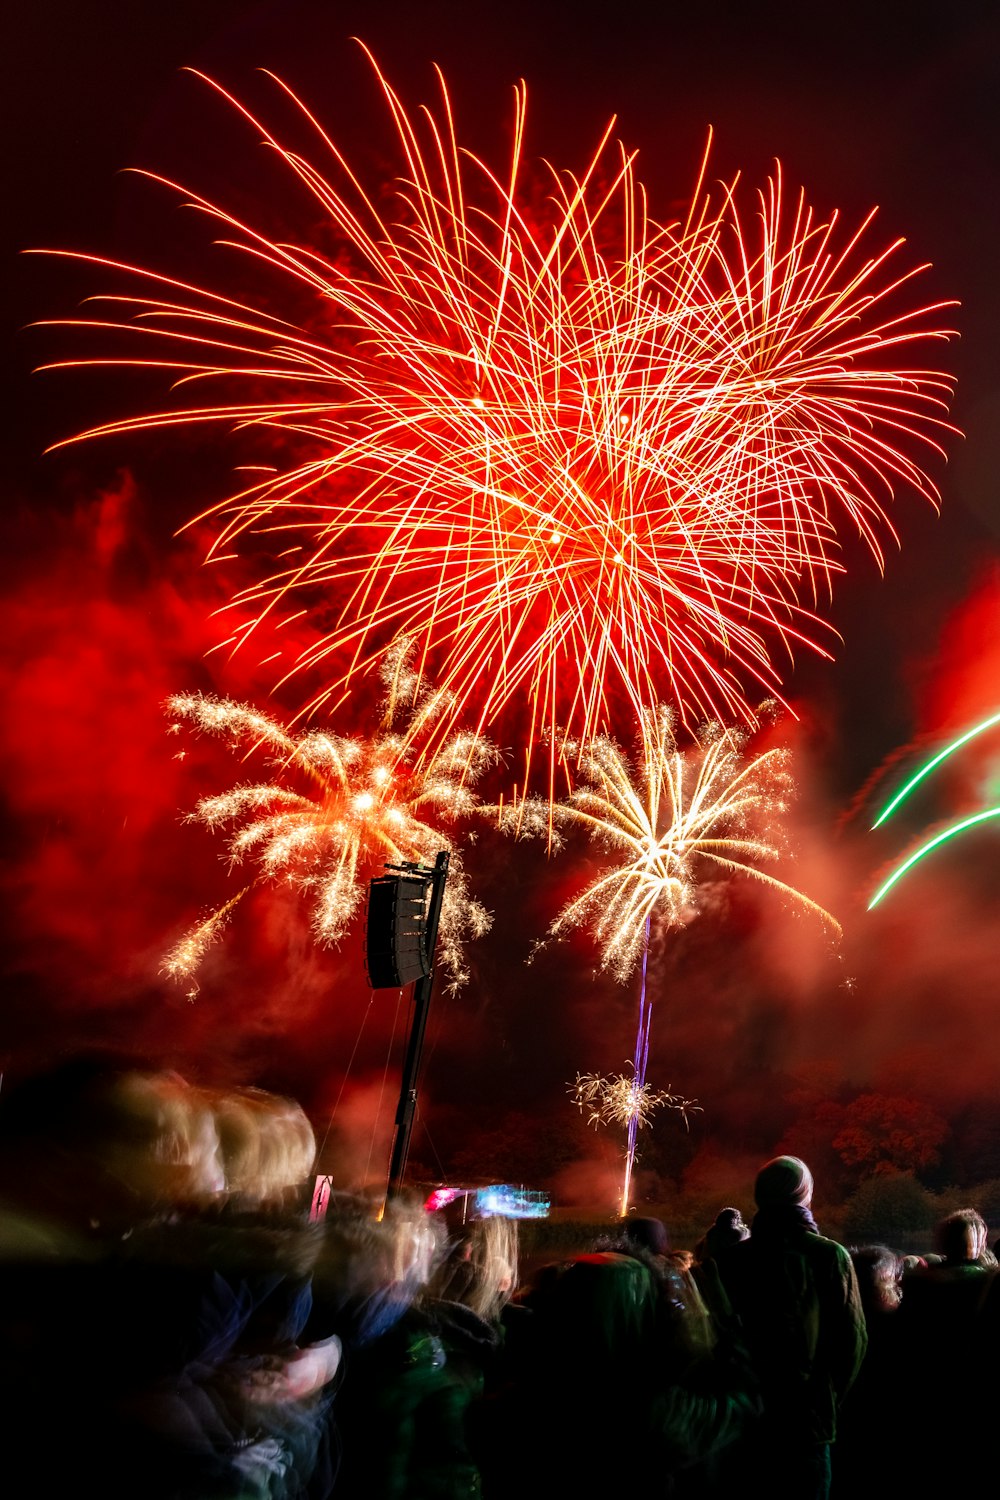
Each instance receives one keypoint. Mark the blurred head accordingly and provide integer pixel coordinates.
(647, 1234)
(267, 1146)
(784, 1182)
(961, 1237)
(106, 1143)
(647, 1239)
(163, 1143)
(879, 1271)
(603, 1323)
(727, 1230)
(493, 1265)
(415, 1243)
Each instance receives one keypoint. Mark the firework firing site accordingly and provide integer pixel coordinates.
(501, 751)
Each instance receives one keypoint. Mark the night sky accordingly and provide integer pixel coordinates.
(107, 611)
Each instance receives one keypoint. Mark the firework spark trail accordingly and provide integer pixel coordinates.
(640, 1063)
(367, 805)
(925, 770)
(184, 958)
(581, 455)
(944, 836)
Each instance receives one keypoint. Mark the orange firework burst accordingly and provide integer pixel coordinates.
(368, 806)
(581, 456)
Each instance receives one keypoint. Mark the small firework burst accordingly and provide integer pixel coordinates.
(621, 1099)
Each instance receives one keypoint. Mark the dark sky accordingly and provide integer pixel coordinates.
(107, 612)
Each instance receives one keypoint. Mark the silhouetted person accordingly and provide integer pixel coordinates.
(414, 1362)
(796, 1295)
(727, 1229)
(609, 1389)
(876, 1412)
(949, 1356)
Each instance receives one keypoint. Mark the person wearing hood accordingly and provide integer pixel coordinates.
(796, 1296)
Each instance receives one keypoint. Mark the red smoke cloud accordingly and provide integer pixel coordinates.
(748, 998)
(106, 875)
(965, 682)
(95, 639)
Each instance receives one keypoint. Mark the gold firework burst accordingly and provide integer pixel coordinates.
(366, 802)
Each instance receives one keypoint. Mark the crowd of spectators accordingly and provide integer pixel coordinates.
(175, 1326)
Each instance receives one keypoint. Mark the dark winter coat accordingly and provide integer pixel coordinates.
(605, 1384)
(402, 1411)
(796, 1295)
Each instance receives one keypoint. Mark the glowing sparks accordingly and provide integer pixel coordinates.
(184, 958)
(367, 803)
(622, 1100)
(708, 807)
(585, 458)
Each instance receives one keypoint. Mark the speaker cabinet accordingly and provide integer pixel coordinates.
(396, 937)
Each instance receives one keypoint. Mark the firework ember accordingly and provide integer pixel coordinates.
(184, 958)
(367, 803)
(586, 458)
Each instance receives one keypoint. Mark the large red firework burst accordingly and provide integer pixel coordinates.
(580, 456)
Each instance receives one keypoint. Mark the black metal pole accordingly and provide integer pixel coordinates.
(407, 1107)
